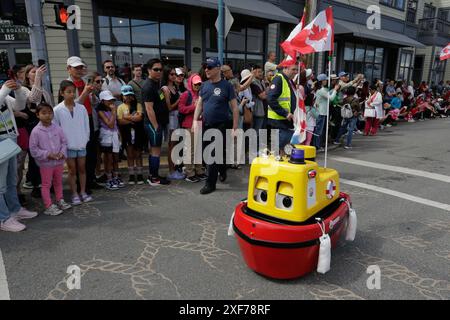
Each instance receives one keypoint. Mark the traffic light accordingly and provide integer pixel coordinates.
(61, 15)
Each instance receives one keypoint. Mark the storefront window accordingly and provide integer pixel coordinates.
(360, 58)
(129, 41)
(145, 32)
(437, 73)
(244, 46)
(405, 70)
(172, 34)
(105, 29)
(120, 30)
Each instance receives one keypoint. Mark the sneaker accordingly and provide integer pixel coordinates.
(101, 179)
(411, 120)
(53, 210)
(86, 198)
(111, 185)
(202, 177)
(76, 201)
(223, 177)
(63, 205)
(27, 185)
(25, 214)
(359, 132)
(348, 147)
(119, 182)
(193, 179)
(132, 180)
(381, 127)
(207, 190)
(159, 181)
(140, 179)
(336, 143)
(421, 120)
(12, 225)
(388, 125)
(176, 175)
(321, 150)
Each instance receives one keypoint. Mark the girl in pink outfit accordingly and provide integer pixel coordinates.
(48, 146)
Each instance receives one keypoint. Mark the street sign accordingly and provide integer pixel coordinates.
(228, 22)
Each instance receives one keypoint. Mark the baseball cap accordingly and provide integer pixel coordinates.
(308, 72)
(106, 95)
(322, 77)
(212, 62)
(196, 79)
(343, 74)
(334, 76)
(245, 74)
(127, 90)
(179, 71)
(75, 62)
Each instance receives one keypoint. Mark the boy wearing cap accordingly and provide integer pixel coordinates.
(130, 118)
(216, 98)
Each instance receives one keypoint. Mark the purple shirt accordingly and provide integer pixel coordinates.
(46, 140)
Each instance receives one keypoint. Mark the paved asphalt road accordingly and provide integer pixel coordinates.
(171, 243)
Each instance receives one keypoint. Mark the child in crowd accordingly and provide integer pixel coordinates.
(188, 100)
(130, 118)
(109, 139)
(74, 120)
(311, 116)
(48, 146)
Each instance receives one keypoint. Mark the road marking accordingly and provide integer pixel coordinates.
(419, 173)
(430, 203)
(4, 291)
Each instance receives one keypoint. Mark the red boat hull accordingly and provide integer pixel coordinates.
(285, 251)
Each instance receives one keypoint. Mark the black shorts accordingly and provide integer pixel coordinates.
(106, 149)
(156, 137)
(139, 136)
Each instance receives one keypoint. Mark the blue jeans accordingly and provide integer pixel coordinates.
(9, 202)
(349, 126)
(318, 131)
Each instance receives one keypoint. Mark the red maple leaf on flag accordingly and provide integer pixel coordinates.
(317, 34)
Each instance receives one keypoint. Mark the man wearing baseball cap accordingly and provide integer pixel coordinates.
(77, 69)
(345, 82)
(216, 97)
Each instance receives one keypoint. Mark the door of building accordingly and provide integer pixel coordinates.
(12, 54)
(418, 69)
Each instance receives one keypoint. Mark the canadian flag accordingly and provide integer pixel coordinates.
(286, 45)
(317, 36)
(288, 61)
(445, 53)
(299, 121)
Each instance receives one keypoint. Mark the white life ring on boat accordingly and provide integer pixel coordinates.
(331, 189)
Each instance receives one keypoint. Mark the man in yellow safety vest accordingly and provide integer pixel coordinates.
(282, 103)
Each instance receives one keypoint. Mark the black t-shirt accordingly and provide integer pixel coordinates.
(151, 92)
(216, 101)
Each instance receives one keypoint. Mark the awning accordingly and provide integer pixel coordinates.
(254, 8)
(361, 31)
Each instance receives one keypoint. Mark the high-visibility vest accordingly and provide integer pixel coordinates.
(284, 100)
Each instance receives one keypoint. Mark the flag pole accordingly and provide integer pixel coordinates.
(328, 108)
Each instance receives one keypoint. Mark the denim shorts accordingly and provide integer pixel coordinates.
(73, 154)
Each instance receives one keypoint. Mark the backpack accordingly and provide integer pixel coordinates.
(182, 116)
(346, 111)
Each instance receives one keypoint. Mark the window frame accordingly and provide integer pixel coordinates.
(393, 5)
(353, 63)
(158, 19)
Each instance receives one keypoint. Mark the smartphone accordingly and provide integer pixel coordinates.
(41, 62)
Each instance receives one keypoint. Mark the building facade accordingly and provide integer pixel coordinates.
(182, 32)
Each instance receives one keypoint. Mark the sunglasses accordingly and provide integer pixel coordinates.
(180, 75)
(173, 74)
(157, 69)
(109, 67)
(210, 68)
(98, 81)
(197, 84)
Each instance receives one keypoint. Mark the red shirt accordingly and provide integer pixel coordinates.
(87, 102)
